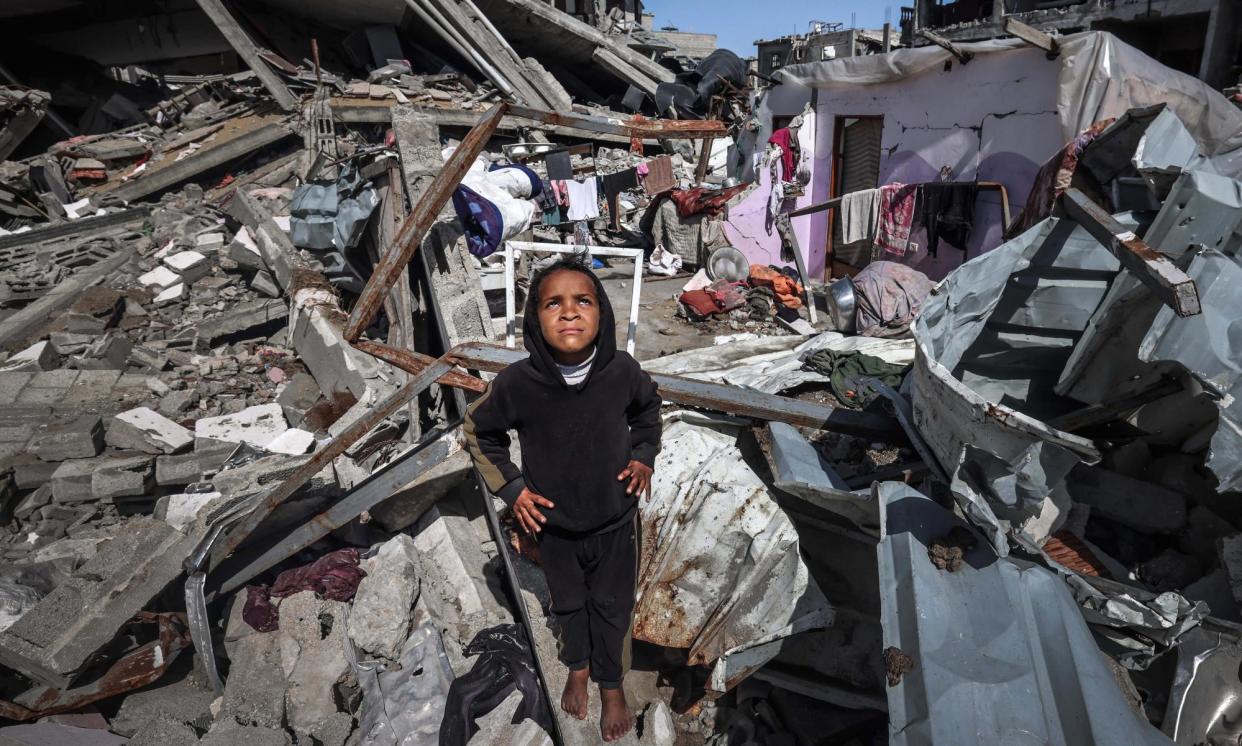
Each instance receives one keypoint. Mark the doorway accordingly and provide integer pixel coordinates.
(855, 167)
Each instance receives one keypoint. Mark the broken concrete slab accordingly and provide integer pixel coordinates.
(172, 294)
(293, 442)
(297, 396)
(37, 357)
(191, 265)
(162, 730)
(245, 251)
(144, 429)
(263, 284)
(312, 654)
(256, 426)
(181, 511)
(71, 481)
(79, 438)
(53, 641)
(124, 476)
(254, 693)
(188, 468)
(159, 278)
(380, 618)
(209, 242)
(231, 733)
(181, 700)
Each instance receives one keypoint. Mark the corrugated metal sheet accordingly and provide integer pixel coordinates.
(1000, 652)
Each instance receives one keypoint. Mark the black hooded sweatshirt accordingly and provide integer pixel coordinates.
(575, 439)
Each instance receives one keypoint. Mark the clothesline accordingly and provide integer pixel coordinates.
(835, 202)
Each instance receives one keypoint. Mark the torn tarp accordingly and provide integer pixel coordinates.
(328, 218)
(996, 649)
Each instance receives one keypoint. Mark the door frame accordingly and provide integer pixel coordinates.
(831, 266)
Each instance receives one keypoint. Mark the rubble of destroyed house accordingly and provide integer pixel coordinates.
(950, 448)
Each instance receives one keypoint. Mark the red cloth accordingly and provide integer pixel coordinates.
(334, 576)
(896, 217)
(700, 304)
(784, 138)
(701, 200)
(1054, 178)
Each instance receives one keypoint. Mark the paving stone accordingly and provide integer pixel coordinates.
(125, 476)
(39, 356)
(71, 482)
(92, 386)
(209, 242)
(11, 385)
(80, 438)
(70, 343)
(61, 634)
(144, 429)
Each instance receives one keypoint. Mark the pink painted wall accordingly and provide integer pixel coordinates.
(994, 119)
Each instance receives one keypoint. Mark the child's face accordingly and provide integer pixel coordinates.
(568, 312)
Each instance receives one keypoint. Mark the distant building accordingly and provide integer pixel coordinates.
(687, 43)
(825, 41)
(1199, 37)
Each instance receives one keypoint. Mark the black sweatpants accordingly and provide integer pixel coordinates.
(592, 580)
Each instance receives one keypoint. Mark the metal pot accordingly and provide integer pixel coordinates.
(842, 306)
(727, 263)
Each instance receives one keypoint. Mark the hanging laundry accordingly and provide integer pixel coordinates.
(614, 184)
(859, 212)
(948, 212)
(659, 178)
(560, 193)
(583, 199)
(897, 203)
(559, 166)
(702, 200)
(785, 140)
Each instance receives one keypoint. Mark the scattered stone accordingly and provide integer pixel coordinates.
(658, 727)
(180, 511)
(95, 309)
(118, 477)
(1171, 570)
(71, 482)
(949, 551)
(1203, 529)
(1231, 561)
(66, 343)
(312, 653)
(38, 356)
(254, 694)
(178, 402)
(256, 426)
(110, 352)
(172, 294)
(30, 503)
(299, 394)
(263, 283)
(59, 441)
(191, 265)
(188, 468)
(231, 733)
(293, 441)
(162, 730)
(245, 251)
(160, 278)
(209, 242)
(182, 701)
(144, 429)
(379, 621)
(28, 475)
(333, 731)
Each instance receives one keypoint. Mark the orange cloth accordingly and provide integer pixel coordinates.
(787, 291)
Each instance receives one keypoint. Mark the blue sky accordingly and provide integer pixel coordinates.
(739, 23)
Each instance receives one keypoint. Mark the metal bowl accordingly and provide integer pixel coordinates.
(727, 263)
(841, 305)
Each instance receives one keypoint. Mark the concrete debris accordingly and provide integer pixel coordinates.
(224, 285)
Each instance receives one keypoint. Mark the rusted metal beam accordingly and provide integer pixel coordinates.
(246, 526)
(719, 397)
(416, 362)
(134, 670)
(1034, 37)
(635, 127)
(426, 209)
(1155, 270)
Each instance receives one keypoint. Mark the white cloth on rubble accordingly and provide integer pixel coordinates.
(663, 262)
(583, 199)
(773, 364)
(860, 211)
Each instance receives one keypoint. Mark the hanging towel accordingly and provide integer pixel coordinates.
(896, 218)
(948, 212)
(785, 140)
(583, 199)
(559, 166)
(859, 213)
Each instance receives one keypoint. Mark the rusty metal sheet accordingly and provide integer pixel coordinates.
(427, 208)
(134, 670)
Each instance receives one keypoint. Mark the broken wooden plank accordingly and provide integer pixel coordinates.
(1173, 286)
(248, 51)
(205, 160)
(427, 208)
(962, 55)
(732, 400)
(1033, 36)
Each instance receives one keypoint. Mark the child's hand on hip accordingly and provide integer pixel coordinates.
(639, 475)
(527, 514)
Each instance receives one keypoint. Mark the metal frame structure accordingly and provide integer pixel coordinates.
(558, 248)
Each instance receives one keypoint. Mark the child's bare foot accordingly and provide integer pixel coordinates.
(615, 719)
(574, 698)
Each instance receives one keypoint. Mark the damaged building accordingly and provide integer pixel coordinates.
(942, 334)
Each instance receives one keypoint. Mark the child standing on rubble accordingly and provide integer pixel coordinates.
(588, 420)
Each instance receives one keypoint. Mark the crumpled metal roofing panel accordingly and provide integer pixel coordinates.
(1001, 653)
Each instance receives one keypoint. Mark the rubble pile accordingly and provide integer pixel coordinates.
(242, 315)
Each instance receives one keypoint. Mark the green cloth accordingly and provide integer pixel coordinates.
(848, 372)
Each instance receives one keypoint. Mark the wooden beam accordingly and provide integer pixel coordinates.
(1173, 286)
(248, 51)
(427, 208)
(631, 127)
(1033, 36)
(962, 55)
(346, 113)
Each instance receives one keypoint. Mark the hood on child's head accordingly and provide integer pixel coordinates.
(541, 354)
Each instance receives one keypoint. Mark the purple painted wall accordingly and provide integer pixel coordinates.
(994, 119)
